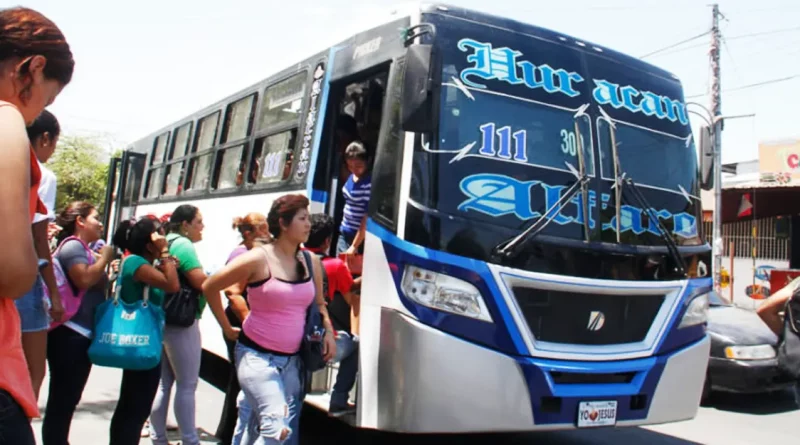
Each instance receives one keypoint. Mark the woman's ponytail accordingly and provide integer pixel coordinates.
(121, 237)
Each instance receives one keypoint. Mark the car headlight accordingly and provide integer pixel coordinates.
(758, 352)
(696, 312)
(445, 293)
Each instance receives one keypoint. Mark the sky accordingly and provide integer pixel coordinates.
(142, 65)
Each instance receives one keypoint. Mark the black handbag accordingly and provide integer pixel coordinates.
(313, 338)
(180, 308)
(789, 347)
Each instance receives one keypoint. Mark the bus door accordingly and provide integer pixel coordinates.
(353, 109)
(109, 205)
(128, 187)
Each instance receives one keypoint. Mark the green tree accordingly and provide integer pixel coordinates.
(81, 168)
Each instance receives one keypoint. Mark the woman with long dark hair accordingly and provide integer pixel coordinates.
(281, 286)
(68, 344)
(148, 265)
(182, 345)
(35, 65)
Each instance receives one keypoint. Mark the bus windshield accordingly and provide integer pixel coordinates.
(649, 157)
(521, 120)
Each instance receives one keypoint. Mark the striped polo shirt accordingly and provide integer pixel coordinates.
(356, 200)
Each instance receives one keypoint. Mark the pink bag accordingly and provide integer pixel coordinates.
(69, 299)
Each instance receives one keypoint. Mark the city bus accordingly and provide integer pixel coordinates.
(533, 258)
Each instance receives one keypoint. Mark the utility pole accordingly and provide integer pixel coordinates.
(716, 112)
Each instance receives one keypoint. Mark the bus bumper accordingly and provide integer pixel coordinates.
(433, 382)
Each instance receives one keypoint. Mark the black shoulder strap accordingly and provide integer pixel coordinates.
(309, 263)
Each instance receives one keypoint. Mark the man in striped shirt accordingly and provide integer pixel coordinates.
(356, 200)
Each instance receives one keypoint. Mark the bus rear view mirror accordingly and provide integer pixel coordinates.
(706, 158)
(417, 104)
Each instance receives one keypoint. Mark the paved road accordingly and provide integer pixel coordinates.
(729, 421)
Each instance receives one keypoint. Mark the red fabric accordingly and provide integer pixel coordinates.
(746, 206)
(339, 277)
(35, 204)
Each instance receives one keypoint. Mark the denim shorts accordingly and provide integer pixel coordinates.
(32, 308)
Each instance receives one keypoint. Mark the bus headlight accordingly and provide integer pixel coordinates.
(444, 293)
(696, 312)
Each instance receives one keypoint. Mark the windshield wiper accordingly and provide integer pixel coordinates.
(672, 246)
(582, 174)
(620, 179)
(511, 247)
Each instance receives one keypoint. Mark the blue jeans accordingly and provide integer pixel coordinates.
(347, 357)
(33, 309)
(345, 241)
(273, 387)
(243, 411)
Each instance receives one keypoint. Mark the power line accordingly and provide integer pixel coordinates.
(675, 44)
(764, 33)
(741, 36)
(752, 85)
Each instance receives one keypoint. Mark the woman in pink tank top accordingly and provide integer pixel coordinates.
(281, 286)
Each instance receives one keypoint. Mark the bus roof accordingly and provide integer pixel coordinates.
(412, 9)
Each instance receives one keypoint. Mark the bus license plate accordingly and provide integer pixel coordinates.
(592, 414)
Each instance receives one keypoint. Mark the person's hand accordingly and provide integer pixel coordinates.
(159, 241)
(115, 266)
(107, 253)
(328, 346)
(350, 251)
(162, 263)
(53, 229)
(57, 310)
(232, 333)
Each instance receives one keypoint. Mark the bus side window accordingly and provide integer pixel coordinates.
(155, 174)
(202, 152)
(273, 157)
(230, 164)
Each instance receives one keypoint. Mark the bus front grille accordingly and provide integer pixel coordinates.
(587, 318)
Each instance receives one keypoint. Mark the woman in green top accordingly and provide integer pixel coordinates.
(182, 345)
(146, 243)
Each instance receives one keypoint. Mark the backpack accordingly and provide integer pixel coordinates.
(70, 297)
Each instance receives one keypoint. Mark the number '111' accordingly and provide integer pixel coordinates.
(504, 134)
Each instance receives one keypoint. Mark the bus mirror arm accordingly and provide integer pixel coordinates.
(417, 102)
(419, 76)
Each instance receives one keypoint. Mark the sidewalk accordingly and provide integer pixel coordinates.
(93, 416)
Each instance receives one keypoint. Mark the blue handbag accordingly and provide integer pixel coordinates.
(127, 335)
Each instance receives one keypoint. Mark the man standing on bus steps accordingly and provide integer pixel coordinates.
(356, 191)
(342, 298)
